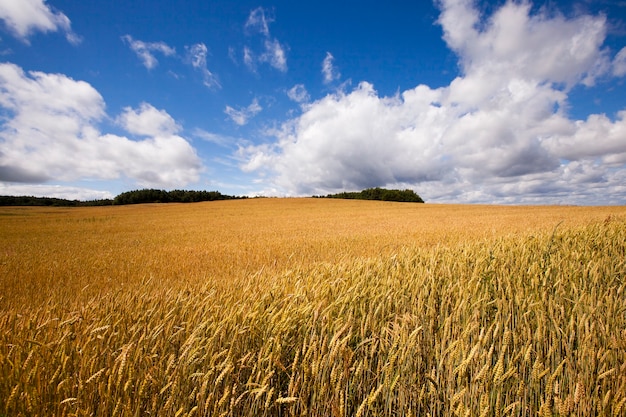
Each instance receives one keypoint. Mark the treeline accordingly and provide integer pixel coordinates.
(49, 201)
(381, 194)
(129, 197)
(188, 196)
(175, 196)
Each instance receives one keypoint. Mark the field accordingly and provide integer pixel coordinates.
(290, 307)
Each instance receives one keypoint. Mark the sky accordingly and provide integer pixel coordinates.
(462, 101)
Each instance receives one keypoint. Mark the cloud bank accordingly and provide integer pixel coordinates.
(499, 132)
(50, 133)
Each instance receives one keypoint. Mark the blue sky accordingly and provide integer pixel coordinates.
(463, 101)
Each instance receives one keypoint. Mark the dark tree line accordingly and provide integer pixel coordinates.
(175, 196)
(381, 194)
(49, 201)
(186, 196)
(129, 197)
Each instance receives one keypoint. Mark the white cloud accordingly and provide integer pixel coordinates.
(24, 17)
(197, 55)
(248, 59)
(516, 44)
(145, 50)
(274, 55)
(351, 141)
(619, 63)
(596, 137)
(217, 139)
(298, 94)
(258, 22)
(148, 121)
(242, 116)
(329, 72)
(272, 51)
(50, 133)
(497, 133)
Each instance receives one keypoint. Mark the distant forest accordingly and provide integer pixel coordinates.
(8, 200)
(129, 197)
(175, 196)
(185, 196)
(381, 194)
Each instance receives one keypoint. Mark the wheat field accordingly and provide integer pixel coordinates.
(293, 307)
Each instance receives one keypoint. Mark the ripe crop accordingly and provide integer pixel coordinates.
(312, 307)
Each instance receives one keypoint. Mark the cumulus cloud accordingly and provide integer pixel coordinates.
(329, 71)
(242, 116)
(50, 133)
(272, 52)
(145, 50)
(516, 44)
(148, 121)
(498, 133)
(25, 17)
(197, 55)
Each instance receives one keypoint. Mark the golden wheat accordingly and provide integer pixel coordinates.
(312, 307)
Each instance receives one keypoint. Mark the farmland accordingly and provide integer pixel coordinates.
(312, 307)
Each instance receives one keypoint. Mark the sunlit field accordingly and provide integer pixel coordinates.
(312, 307)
